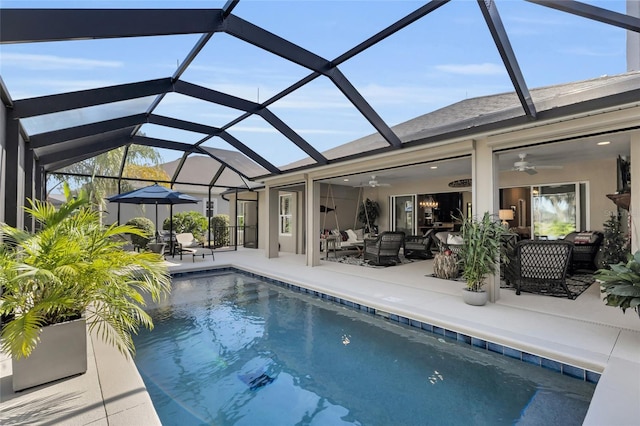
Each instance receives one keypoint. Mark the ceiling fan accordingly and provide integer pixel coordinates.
(525, 166)
(373, 183)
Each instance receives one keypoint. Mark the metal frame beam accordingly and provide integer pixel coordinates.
(363, 106)
(290, 134)
(180, 146)
(39, 25)
(74, 154)
(71, 133)
(252, 34)
(231, 140)
(390, 30)
(499, 34)
(31, 107)
(596, 13)
(210, 95)
(164, 144)
(212, 132)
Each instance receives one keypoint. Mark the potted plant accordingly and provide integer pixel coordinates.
(479, 255)
(620, 283)
(368, 212)
(70, 271)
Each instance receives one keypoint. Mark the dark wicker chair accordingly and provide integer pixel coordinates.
(385, 249)
(418, 246)
(542, 264)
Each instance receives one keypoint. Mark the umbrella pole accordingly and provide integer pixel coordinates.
(157, 232)
(172, 248)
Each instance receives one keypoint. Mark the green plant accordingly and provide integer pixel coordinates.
(480, 250)
(74, 266)
(368, 212)
(146, 226)
(621, 283)
(192, 221)
(614, 242)
(220, 230)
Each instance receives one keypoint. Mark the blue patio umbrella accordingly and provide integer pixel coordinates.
(154, 194)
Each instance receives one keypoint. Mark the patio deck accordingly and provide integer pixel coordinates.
(583, 332)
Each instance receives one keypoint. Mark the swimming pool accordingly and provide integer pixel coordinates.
(229, 348)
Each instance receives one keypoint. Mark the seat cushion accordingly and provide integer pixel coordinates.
(454, 240)
(351, 235)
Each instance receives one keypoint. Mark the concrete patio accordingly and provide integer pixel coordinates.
(583, 332)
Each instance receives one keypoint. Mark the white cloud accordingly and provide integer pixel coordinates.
(472, 69)
(51, 62)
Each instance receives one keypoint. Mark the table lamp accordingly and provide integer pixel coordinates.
(505, 215)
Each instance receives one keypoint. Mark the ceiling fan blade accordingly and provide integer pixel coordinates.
(549, 167)
(530, 171)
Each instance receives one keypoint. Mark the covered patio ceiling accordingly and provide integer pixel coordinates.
(67, 127)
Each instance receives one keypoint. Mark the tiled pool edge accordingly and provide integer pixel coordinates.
(556, 366)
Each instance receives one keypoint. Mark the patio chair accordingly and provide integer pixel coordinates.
(542, 264)
(384, 249)
(187, 243)
(418, 246)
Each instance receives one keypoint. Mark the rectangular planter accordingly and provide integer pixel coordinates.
(61, 352)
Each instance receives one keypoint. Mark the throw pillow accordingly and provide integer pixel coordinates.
(455, 240)
(584, 238)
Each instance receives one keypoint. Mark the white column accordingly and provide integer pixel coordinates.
(634, 207)
(484, 172)
(313, 222)
(633, 38)
(272, 202)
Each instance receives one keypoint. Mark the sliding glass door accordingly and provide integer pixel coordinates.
(557, 209)
(403, 214)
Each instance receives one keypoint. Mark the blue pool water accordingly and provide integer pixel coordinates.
(230, 349)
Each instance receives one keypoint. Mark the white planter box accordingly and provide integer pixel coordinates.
(61, 352)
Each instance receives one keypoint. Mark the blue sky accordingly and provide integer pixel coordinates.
(443, 58)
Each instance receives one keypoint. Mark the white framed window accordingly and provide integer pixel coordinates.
(285, 214)
(210, 209)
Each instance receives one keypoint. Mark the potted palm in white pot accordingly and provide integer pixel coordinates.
(479, 254)
(70, 273)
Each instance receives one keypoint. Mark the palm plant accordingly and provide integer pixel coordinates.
(481, 248)
(74, 266)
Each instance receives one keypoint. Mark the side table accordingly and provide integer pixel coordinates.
(333, 245)
(445, 266)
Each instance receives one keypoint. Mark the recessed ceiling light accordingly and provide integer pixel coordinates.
(604, 143)
(345, 180)
(434, 167)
